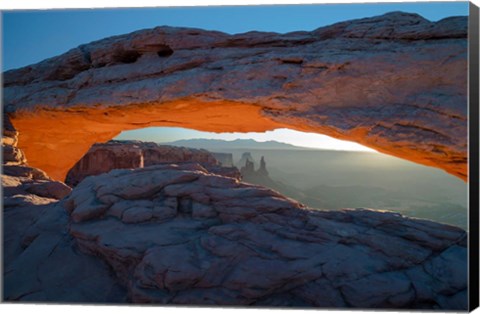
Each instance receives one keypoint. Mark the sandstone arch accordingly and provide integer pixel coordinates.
(396, 83)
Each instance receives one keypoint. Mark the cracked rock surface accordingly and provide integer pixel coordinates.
(179, 234)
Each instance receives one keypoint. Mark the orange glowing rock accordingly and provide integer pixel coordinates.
(375, 81)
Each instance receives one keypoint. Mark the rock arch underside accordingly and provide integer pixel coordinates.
(186, 235)
(396, 83)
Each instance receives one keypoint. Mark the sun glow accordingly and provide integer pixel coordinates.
(296, 138)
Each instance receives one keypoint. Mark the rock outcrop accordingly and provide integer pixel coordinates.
(103, 157)
(263, 167)
(179, 234)
(22, 183)
(246, 161)
(249, 173)
(261, 177)
(396, 83)
(40, 260)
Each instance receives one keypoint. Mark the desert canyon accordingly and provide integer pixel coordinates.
(186, 231)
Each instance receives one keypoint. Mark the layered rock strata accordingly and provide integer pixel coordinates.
(396, 83)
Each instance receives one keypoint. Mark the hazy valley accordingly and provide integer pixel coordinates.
(340, 179)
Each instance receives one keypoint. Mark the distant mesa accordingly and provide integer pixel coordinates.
(104, 157)
(132, 154)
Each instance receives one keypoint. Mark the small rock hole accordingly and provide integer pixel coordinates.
(126, 56)
(164, 51)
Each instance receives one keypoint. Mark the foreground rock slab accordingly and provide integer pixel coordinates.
(179, 234)
(396, 83)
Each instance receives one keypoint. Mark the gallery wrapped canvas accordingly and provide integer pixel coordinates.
(289, 156)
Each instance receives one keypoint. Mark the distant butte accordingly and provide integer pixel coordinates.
(396, 83)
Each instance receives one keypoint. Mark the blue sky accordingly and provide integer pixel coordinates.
(32, 36)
